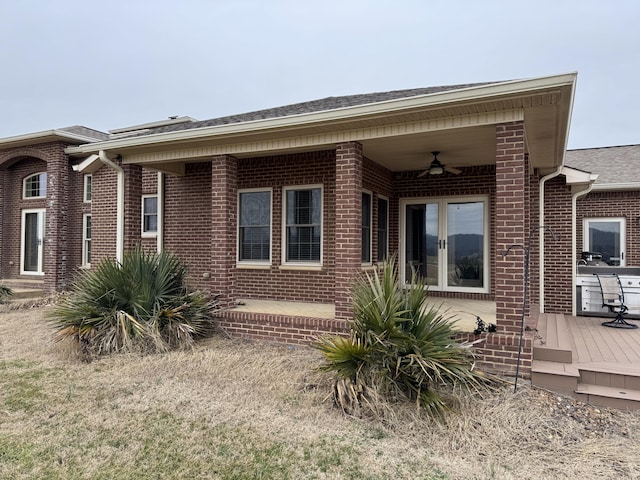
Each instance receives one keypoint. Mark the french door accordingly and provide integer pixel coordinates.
(32, 242)
(446, 242)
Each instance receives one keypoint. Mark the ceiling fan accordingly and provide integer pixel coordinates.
(437, 168)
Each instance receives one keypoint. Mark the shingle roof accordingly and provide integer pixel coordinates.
(86, 132)
(325, 104)
(613, 165)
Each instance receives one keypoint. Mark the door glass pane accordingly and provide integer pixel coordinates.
(604, 238)
(31, 242)
(421, 239)
(465, 244)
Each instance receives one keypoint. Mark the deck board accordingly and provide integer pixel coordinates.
(596, 343)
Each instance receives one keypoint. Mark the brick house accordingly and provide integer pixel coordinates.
(43, 204)
(289, 204)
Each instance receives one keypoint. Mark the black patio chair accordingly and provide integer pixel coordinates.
(613, 299)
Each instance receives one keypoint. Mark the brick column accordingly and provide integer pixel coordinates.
(132, 206)
(224, 191)
(511, 223)
(56, 221)
(348, 228)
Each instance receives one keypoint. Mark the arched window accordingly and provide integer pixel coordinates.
(35, 186)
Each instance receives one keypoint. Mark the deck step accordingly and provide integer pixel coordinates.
(556, 376)
(620, 398)
(554, 344)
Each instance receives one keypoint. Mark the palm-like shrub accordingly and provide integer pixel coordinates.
(5, 292)
(398, 347)
(141, 304)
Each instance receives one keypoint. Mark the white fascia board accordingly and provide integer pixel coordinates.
(469, 94)
(34, 137)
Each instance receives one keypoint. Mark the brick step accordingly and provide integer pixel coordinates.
(621, 398)
(553, 342)
(23, 289)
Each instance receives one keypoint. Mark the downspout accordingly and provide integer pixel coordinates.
(160, 237)
(119, 204)
(543, 180)
(574, 252)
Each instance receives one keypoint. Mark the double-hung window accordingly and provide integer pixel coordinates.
(35, 186)
(86, 240)
(303, 225)
(149, 215)
(87, 188)
(254, 226)
(367, 215)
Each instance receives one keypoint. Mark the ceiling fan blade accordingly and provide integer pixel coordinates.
(422, 174)
(455, 171)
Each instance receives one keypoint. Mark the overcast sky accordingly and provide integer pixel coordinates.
(114, 63)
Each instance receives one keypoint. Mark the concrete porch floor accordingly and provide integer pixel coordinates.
(463, 310)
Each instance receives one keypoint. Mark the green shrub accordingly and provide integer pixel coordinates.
(398, 347)
(5, 292)
(141, 304)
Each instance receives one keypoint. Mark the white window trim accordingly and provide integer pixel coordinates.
(152, 234)
(623, 234)
(24, 186)
(284, 226)
(87, 178)
(386, 199)
(442, 202)
(85, 264)
(256, 263)
(370, 261)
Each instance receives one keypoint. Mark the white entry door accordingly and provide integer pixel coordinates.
(32, 248)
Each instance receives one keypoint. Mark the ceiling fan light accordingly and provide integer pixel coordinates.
(436, 170)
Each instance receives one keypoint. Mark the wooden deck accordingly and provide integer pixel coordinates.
(580, 357)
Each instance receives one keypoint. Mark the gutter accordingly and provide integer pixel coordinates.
(102, 155)
(543, 180)
(574, 252)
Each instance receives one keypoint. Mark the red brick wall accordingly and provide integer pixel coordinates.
(187, 221)
(277, 172)
(558, 261)
(103, 215)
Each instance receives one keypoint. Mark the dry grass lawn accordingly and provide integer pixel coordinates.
(231, 409)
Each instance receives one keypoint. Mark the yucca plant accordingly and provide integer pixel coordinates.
(141, 304)
(5, 292)
(398, 346)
